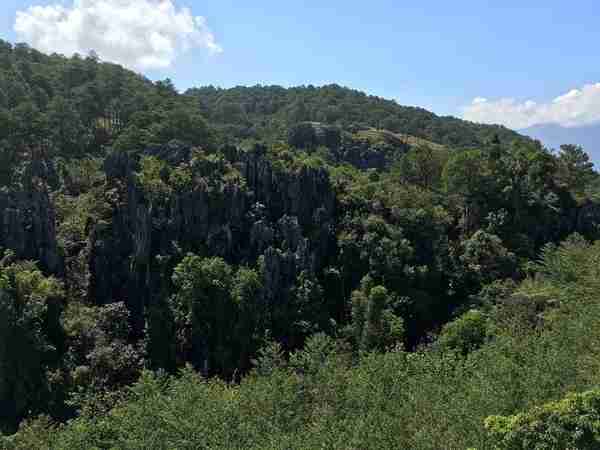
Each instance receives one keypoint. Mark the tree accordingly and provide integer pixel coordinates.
(570, 423)
(101, 355)
(305, 313)
(250, 326)
(31, 126)
(482, 259)
(466, 333)
(66, 130)
(133, 139)
(423, 166)
(525, 182)
(575, 170)
(153, 178)
(30, 337)
(467, 175)
(183, 124)
(371, 245)
(203, 310)
(166, 88)
(374, 325)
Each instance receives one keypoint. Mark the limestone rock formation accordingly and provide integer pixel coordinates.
(28, 217)
(288, 218)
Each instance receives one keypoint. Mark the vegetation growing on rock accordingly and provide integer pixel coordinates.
(315, 265)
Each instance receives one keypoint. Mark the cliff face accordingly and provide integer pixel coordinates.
(28, 217)
(285, 218)
(359, 153)
(363, 155)
(282, 221)
(587, 218)
(288, 219)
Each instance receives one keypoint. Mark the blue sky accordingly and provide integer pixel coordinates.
(436, 54)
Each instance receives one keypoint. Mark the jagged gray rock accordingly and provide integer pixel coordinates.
(314, 134)
(29, 219)
(272, 214)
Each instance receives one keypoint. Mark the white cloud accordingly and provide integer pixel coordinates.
(578, 107)
(141, 34)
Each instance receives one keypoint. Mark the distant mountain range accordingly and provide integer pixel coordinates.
(553, 136)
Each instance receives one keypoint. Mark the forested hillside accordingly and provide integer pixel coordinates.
(282, 268)
(268, 112)
(518, 371)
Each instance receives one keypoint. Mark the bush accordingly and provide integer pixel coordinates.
(573, 422)
(466, 333)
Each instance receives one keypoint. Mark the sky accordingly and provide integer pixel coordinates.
(519, 63)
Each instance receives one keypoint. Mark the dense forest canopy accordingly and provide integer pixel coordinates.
(269, 111)
(314, 266)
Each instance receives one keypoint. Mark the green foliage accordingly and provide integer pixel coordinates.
(160, 181)
(66, 128)
(466, 333)
(273, 110)
(423, 400)
(307, 307)
(30, 337)
(573, 422)
(71, 107)
(319, 350)
(80, 200)
(133, 139)
(567, 262)
(338, 268)
(151, 177)
(101, 354)
(467, 174)
(575, 170)
(485, 259)
(270, 357)
(373, 246)
(202, 309)
(423, 166)
(374, 325)
(184, 124)
(285, 159)
(217, 312)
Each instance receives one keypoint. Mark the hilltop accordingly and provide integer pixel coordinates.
(267, 111)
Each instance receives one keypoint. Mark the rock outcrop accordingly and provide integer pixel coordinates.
(288, 218)
(364, 155)
(29, 219)
(314, 134)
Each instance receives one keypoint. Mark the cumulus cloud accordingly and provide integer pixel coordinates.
(578, 107)
(141, 34)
